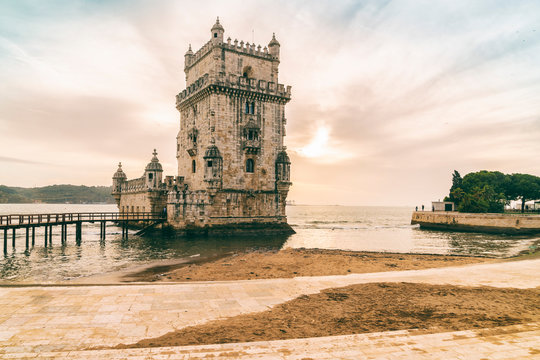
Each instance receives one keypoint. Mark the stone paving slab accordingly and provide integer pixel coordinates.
(510, 342)
(64, 318)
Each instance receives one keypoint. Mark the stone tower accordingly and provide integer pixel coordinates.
(232, 163)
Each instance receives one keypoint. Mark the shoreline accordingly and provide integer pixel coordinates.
(271, 264)
(289, 263)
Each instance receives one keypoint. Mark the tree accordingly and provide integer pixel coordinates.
(495, 179)
(457, 182)
(481, 200)
(523, 187)
(481, 191)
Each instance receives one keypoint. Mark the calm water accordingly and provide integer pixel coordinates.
(330, 227)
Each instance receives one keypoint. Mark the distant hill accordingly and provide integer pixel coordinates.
(56, 194)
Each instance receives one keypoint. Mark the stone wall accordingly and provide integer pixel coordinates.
(496, 223)
(143, 201)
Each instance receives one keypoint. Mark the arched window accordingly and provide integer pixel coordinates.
(247, 107)
(248, 72)
(252, 108)
(215, 35)
(250, 165)
(193, 166)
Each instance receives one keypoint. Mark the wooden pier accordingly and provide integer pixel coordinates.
(29, 222)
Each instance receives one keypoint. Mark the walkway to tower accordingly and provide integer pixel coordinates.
(29, 223)
(65, 321)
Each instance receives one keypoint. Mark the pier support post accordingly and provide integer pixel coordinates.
(78, 232)
(5, 240)
(103, 230)
(63, 233)
(50, 235)
(27, 237)
(124, 230)
(46, 234)
(13, 239)
(33, 236)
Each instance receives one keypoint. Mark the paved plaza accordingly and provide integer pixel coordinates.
(56, 321)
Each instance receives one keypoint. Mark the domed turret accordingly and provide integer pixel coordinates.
(217, 32)
(283, 167)
(154, 164)
(283, 158)
(273, 46)
(119, 178)
(188, 56)
(153, 172)
(119, 174)
(212, 152)
(213, 166)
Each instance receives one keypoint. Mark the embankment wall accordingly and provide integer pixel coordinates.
(494, 223)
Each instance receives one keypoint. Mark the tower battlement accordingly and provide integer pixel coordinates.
(240, 47)
(253, 88)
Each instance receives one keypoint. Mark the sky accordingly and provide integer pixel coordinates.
(388, 97)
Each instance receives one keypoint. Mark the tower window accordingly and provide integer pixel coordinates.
(215, 35)
(150, 176)
(209, 163)
(250, 165)
(250, 107)
(247, 72)
(193, 166)
(252, 134)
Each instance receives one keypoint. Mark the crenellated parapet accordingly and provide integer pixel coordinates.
(134, 185)
(239, 85)
(244, 48)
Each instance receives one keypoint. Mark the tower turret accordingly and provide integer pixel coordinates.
(188, 56)
(273, 47)
(283, 167)
(217, 32)
(213, 168)
(119, 178)
(153, 173)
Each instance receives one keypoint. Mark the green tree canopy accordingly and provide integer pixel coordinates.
(488, 191)
(523, 187)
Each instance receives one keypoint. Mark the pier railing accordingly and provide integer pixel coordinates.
(30, 222)
(60, 218)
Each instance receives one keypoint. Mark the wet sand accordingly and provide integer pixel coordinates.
(291, 263)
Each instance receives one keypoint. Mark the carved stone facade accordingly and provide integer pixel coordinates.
(232, 163)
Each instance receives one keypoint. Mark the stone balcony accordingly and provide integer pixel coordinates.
(251, 146)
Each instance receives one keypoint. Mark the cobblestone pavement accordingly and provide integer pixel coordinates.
(510, 342)
(40, 319)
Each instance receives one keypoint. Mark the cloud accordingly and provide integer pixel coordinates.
(388, 97)
(6, 159)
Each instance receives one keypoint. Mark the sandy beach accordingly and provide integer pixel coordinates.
(291, 263)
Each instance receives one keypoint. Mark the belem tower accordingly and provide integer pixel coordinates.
(233, 168)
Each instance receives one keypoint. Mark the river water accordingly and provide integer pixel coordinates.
(329, 227)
